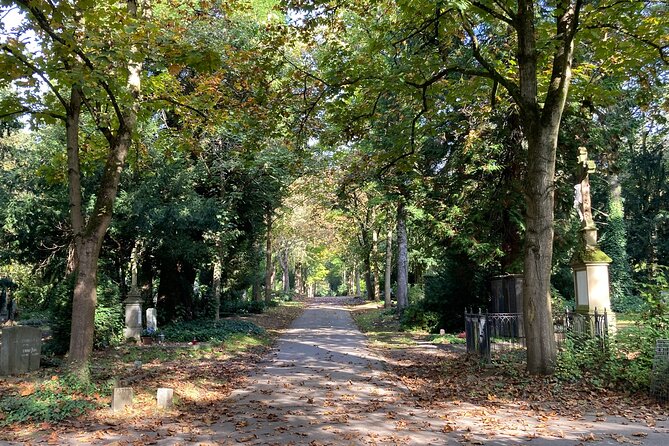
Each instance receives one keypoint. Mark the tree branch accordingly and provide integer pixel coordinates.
(180, 104)
(488, 10)
(511, 87)
(663, 50)
(21, 58)
(44, 24)
(28, 111)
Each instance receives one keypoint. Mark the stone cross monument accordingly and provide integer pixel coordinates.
(582, 200)
(590, 264)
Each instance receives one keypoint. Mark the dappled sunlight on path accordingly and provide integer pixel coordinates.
(322, 385)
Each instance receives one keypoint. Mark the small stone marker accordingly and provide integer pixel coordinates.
(442, 332)
(20, 349)
(165, 397)
(151, 319)
(121, 398)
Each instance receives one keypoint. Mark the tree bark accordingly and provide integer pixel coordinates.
(540, 128)
(285, 271)
(356, 279)
(269, 267)
(298, 278)
(217, 287)
(402, 259)
(375, 264)
(389, 265)
(369, 280)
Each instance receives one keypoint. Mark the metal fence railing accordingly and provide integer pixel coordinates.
(491, 333)
(659, 384)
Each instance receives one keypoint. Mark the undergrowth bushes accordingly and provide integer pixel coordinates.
(625, 360)
(51, 401)
(208, 330)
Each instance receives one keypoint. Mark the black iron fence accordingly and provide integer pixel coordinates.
(491, 333)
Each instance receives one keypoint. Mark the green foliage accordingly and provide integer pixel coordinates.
(208, 330)
(109, 316)
(240, 306)
(50, 401)
(416, 317)
(625, 360)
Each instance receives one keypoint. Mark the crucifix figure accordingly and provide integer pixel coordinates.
(582, 197)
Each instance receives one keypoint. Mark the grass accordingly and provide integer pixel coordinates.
(383, 329)
(624, 320)
(205, 371)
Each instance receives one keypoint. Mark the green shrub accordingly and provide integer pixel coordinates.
(109, 321)
(415, 317)
(208, 330)
(51, 401)
(625, 361)
(239, 306)
(109, 325)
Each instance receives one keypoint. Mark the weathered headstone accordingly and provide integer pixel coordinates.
(507, 293)
(133, 315)
(121, 398)
(165, 398)
(20, 349)
(151, 319)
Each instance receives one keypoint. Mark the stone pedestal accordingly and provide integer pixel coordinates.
(133, 315)
(591, 286)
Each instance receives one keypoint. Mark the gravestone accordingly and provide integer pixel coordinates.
(20, 349)
(151, 319)
(165, 398)
(133, 315)
(121, 398)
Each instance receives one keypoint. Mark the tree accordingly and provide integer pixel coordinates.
(527, 49)
(76, 74)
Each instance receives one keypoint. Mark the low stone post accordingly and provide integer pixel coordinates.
(165, 398)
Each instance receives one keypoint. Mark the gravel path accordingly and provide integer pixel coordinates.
(323, 386)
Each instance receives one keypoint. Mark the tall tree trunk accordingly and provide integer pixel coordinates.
(389, 265)
(541, 122)
(375, 264)
(298, 278)
(356, 279)
(285, 271)
(217, 287)
(344, 280)
(89, 233)
(269, 267)
(402, 259)
(369, 280)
